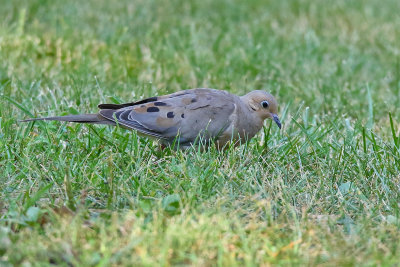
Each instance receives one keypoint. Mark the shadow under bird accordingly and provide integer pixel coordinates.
(187, 116)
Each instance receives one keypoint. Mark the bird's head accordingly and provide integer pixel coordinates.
(263, 104)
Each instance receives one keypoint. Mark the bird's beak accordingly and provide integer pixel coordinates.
(277, 121)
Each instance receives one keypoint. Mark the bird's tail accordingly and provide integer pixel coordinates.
(82, 118)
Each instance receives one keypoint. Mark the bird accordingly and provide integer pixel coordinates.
(188, 117)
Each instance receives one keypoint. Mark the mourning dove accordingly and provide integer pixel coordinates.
(187, 116)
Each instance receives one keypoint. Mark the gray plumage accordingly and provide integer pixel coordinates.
(213, 115)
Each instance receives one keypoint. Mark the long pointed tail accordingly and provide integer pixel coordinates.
(83, 118)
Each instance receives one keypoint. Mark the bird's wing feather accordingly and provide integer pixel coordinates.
(186, 114)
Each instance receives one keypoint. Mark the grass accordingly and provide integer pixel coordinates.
(322, 191)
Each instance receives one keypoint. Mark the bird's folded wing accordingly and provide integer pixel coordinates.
(184, 114)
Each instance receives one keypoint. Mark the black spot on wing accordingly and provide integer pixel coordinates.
(153, 109)
(170, 115)
(183, 115)
(159, 103)
(194, 100)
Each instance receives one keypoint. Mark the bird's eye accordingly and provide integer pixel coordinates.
(265, 104)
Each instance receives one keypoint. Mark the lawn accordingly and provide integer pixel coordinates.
(324, 190)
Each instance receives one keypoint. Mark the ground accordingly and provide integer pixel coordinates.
(323, 191)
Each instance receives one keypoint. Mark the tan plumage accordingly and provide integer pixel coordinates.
(188, 116)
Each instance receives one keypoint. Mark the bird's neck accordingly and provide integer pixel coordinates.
(246, 100)
(248, 120)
